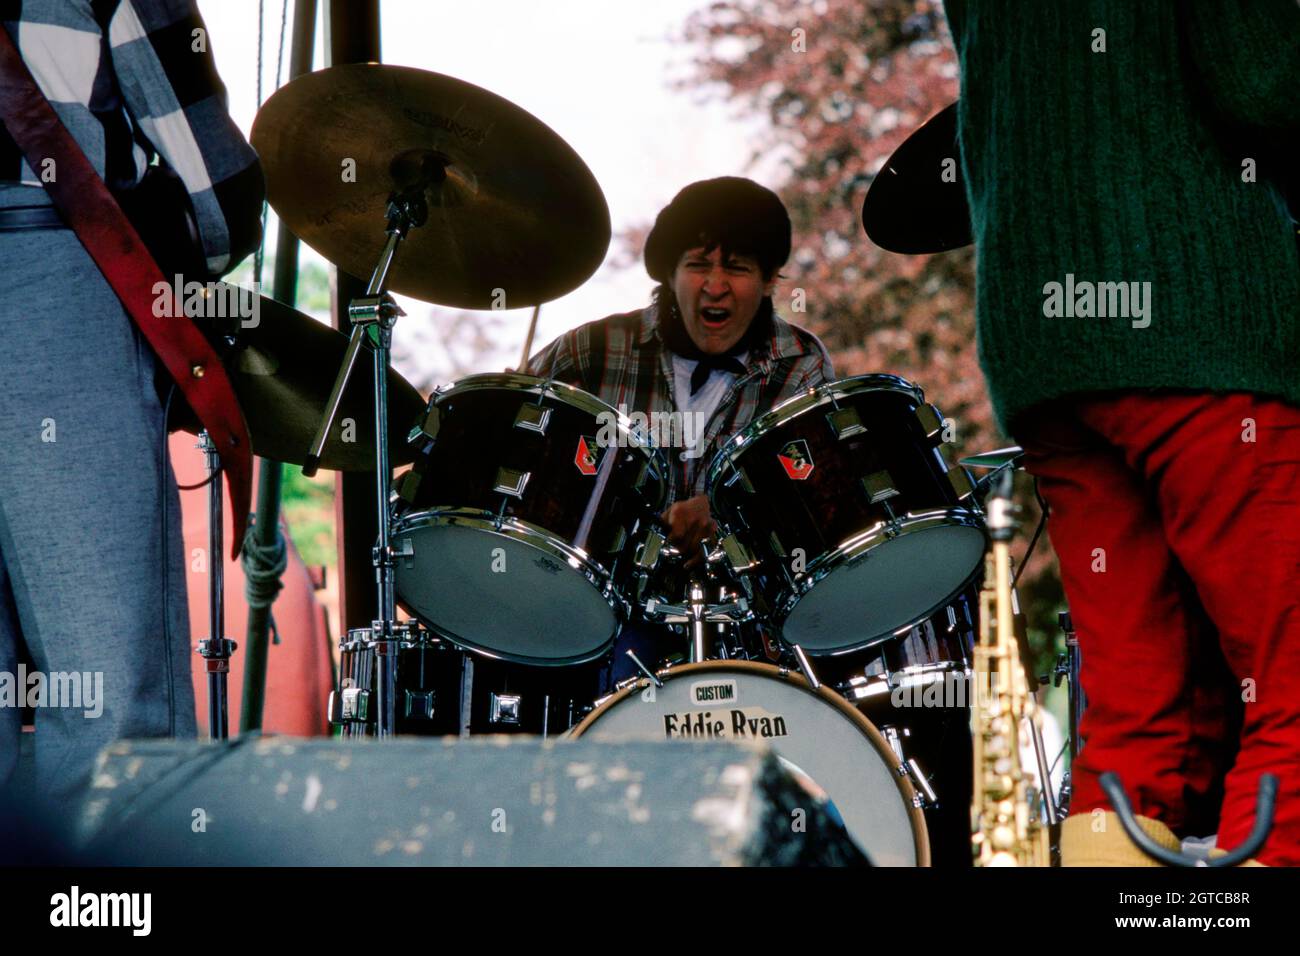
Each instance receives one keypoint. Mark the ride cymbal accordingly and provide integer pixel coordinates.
(998, 458)
(515, 217)
(910, 207)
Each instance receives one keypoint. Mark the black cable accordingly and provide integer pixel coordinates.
(166, 562)
(1042, 523)
(284, 23)
(201, 484)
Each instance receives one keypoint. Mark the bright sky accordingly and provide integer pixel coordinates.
(595, 71)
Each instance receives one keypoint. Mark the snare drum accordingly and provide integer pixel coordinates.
(839, 504)
(517, 528)
(820, 736)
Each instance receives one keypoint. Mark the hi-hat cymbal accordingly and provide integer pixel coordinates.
(998, 458)
(911, 206)
(515, 216)
(283, 369)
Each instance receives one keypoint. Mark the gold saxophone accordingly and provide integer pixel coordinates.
(1006, 816)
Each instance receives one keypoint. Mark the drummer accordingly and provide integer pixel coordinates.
(709, 346)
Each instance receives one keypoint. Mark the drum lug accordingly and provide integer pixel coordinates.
(511, 481)
(931, 420)
(642, 476)
(407, 484)
(420, 704)
(428, 428)
(845, 423)
(737, 554)
(777, 546)
(647, 552)
(533, 418)
(961, 482)
(879, 486)
(617, 540)
(504, 709)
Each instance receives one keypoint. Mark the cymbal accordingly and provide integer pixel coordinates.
(283, 370)
(910, 208)
(515, 217)
(999, 458)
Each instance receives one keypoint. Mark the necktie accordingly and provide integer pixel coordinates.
(707, 363)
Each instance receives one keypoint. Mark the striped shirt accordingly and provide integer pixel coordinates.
(622, 360)
(135, 79)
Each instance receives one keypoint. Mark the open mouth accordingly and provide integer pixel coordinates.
(714, 317)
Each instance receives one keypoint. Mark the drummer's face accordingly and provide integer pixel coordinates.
(718, 297)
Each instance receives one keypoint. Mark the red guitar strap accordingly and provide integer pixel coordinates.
(90, 210)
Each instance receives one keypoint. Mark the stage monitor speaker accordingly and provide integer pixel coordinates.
(506, 801)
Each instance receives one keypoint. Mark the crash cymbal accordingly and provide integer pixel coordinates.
(910, 207)
(999, 458)
(283, 369)
(515, 216)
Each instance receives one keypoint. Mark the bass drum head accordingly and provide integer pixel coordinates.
(891, 586)
(826, 741)
(502, 595)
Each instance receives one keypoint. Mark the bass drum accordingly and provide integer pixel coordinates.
(825, 742)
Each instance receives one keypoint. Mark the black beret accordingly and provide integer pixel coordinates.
(732, 212)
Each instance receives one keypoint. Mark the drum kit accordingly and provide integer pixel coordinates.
(526, 534)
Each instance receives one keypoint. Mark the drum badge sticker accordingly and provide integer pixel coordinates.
(587, 456)
(796, 460)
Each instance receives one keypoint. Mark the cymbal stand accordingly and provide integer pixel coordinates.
(373, 316)
(698, 613)
(216, 648)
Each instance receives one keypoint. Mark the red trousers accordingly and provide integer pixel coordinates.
(1176, 519)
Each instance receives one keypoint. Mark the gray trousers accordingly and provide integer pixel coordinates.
(84, 484)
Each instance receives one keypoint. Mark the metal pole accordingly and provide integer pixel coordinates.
(352, 36)
(216, 649)
(266, 524)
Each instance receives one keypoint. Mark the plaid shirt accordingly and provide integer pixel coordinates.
(622, 360)
(132, 79)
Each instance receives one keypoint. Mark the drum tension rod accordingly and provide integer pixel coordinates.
(644, 670)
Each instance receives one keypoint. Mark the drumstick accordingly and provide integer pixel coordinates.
(528, 342)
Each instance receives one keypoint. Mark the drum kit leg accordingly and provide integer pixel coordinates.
(833, 618)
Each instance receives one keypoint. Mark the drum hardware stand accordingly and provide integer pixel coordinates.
(1068, 669)
(697, 612)
(373, 317)
(1265, 799)
(216, 648)
(805, 665)
(926, 798)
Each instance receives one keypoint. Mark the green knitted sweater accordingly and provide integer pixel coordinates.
(1126, 166)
